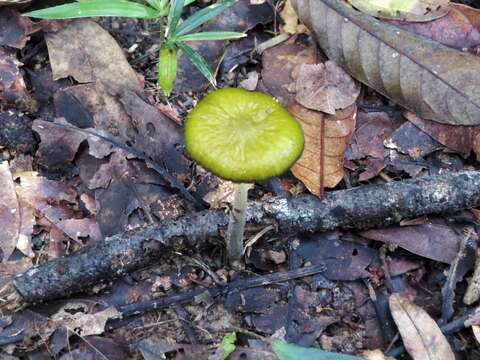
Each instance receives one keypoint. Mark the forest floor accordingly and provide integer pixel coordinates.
(82, 122)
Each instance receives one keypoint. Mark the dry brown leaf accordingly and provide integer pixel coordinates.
(9, 212)
(456, 30)
(15, 28)
(421, 335)
(319, 168)
(406, 10)
(73, 316)
(279, 62)
(476, 332)
(289, 16)
(12, 85)
(325, 87)
(88, 53)
(434, 81)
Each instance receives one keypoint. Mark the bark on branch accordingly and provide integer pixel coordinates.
(357, 208)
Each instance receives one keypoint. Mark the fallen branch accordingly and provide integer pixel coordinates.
(357, 208)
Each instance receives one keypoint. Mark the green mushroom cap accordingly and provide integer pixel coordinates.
(243, 136)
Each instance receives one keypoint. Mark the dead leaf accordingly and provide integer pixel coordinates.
(434, 81)
(15, 28)
(56, 149)
(9, 213)
(326, 140)
(75, 317)
(129, 120)
(456, 138)
(421, 335)
(290, 19)
(344, 260)
(278, 64)
(455, 30)
(409, 139)
(54, 204)
(84, 50)
(325, 87)
(434, 240)
(372, 129)
(406, 10)
(12, 85)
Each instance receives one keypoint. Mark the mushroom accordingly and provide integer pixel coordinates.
(242, 136)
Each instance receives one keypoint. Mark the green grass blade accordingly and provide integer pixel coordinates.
(202, 16)
(174, 15)
(167, 69)
(211, 35)
(199, 62)
(96, 8)
(153, 3)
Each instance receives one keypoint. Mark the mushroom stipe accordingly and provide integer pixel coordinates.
(242, 136)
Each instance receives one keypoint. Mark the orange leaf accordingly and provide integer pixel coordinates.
(326, 139)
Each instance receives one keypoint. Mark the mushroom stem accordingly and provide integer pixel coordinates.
(236, 225)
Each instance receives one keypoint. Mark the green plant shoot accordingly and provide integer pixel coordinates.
(175, 37)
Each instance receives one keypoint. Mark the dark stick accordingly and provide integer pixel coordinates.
(357, 208)
(189, 296)
(237, 285)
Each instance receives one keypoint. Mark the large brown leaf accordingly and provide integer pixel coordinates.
(434, 81)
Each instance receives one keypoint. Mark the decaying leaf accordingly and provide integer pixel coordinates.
(9, 213)
(457, 138)
(434, 81)
(289, 16)
(12, 85)
(407, 10)
(83, 50)
(326, 139)
(456, 30)
(434, 240)
(367, 145)
(74, 317)
(279, 62)
(15, 28)
(325, 87)
(421, 335)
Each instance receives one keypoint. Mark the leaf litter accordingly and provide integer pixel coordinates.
(109, 131)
